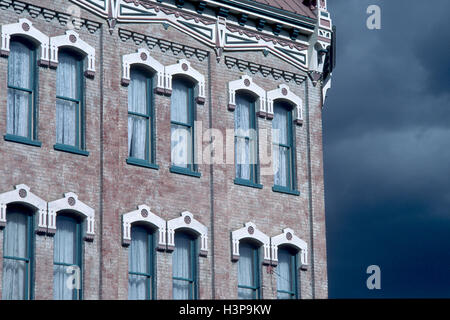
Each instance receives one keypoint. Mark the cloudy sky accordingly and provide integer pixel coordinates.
(387, 150)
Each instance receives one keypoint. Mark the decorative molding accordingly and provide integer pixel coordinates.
(142, 57)
(250, 231)
(26, 29)
(183, 67)
(143, 215)
(22, 194)
(187, 221)
(72, 39)
(289, 238)
(246, 84)
(284, 93)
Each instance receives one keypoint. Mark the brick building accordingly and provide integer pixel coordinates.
(163, 149)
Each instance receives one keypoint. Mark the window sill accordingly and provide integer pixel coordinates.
(142, 163)
(247, 183)
(70, 149)
(22, 140)
(185, 171)
(281, 189)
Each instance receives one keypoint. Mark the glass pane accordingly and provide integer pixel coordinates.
(137, 93)
(242, 154)
(137, 137)
(66, 118)
(61, 289)
(139, 250)
(67, 76)
(242, 113)
(181, 142)
(19, 65)
(14, 275)
(182, 265)
(246, 265)
(281, 166)
(138, 287)
(179, 110)
(18, 112)
(280, 125)
(180, 290)
(65, 240)
(284, 273)
(245, 294)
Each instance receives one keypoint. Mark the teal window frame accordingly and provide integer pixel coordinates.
(150, 274)
(77, 294)
(292, 173)
(193, 260)
(254, 180)
(192, 168)
(256, 288)
(32, 138)
(29, 276)
(294, 275)
(80, 142)
(150, 139)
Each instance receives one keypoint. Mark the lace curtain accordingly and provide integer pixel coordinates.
(242, 137)
(137, 125)
(284, 275)
(181, 142)
(280, 127)
(138, 262)
(246, 271)
(182, 266)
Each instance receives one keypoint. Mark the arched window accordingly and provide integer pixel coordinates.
(287, 273)
(18, 256)
(21, 106)
(283, 148)
(141, 264)
(69, 102)
(246, 140)
(67, 258)
(248, 271)
(184, 264)
(140, 118)
(182, 115)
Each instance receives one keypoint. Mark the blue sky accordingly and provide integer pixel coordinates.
(387, 150)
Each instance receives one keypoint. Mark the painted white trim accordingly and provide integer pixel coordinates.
(70, 202)
(71, 39)
(22, 194)
(284, 93)
(142, 57)
(187, 221)
(245, 83)
(144, 215)
(250, 231)
(183, 67)
(25, 28)
(294, 241)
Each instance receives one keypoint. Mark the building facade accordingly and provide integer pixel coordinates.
(163, 149)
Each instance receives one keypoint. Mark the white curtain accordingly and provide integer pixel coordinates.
(15, 245)
(242, 142)
(181, 141)
(246, 271)
(138, 262)
(284, 275)
(66, 111)
(64, 252)
(181, 266)
(19, 69)
(137, 126)
(280, 127)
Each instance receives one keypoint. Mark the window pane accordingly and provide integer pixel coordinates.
(66, 127)
(181, 290)
(181, 154)
(280, 125)
(246, 265)
(284, 273)
(67, 76)
(19, 65)
(15, 245)
(246, 294)
(242, 113)
(179, 110)
(137, 287)
(137, 93)
(243, 167)
(281, 165)
(137, 137)
(138, 261)
(182, 266)
(18, 112)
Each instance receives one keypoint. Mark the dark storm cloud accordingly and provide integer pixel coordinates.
(387, 155)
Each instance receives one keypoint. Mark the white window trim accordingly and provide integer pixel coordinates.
(22, 194)
(245, 83)
(25, 28)
(284, 93)
(70, 202)
(71, 39)
(142, 57)
(183, 67)
(289, 238)
(250, 231)
(145, 215)
(187, 221)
